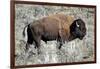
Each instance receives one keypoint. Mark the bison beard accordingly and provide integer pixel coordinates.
(56, 27)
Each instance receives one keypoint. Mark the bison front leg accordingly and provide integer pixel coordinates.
(61, 42)
(61, 38)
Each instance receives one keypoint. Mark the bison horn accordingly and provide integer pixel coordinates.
(77, 24)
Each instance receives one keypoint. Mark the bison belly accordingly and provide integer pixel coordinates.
(49, 36)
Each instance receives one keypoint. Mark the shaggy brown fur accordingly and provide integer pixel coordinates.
(55, 27)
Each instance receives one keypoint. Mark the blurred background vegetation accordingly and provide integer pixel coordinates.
(74, 51)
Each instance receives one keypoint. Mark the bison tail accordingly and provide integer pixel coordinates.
(24, 30)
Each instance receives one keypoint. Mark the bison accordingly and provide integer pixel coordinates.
(58, 27)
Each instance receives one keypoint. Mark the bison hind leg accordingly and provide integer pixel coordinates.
(37, 44)
(27, 47)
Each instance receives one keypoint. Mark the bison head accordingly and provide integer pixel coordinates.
(78, 29)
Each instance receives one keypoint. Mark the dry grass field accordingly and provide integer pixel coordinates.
(73, 51)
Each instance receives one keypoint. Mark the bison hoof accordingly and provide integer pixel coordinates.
(35, 47)
(38, 53)
(59, 47)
